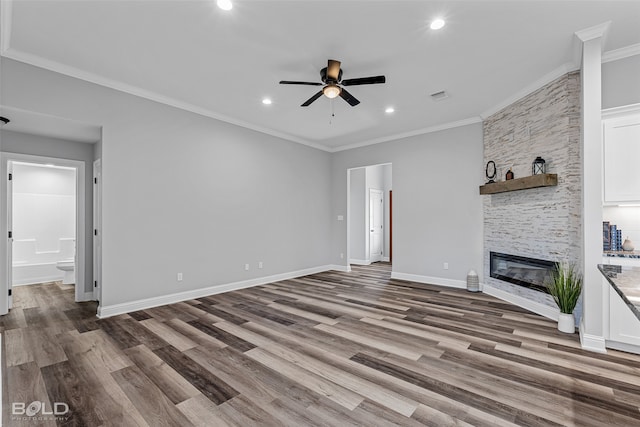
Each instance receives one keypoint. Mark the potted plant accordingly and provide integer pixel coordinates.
(565, 287)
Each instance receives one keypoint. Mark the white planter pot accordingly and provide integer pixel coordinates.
(566, 323)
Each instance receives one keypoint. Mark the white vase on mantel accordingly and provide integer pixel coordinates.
(628, 245)
(566, 323)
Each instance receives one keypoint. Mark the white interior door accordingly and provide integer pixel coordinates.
(376, 229)
(97, 230)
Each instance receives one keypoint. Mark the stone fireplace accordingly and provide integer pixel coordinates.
(539, 223)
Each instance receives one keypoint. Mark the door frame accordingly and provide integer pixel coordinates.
(6, 249)
(349, 214)
(97, 230)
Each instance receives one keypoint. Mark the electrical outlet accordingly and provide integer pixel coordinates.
(246, 267)
(179, 277)
(260, 264)
(341, 256)
(445, 265)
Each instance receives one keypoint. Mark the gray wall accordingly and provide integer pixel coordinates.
(186, 193)
(437, 209)
(621, 82)
(21, 143)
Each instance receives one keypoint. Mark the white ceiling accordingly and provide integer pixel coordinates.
(221, 64)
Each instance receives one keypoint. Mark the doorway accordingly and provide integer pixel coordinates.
(32, 251)
(368, 214)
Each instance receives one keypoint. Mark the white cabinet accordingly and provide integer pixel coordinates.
(624, 326)
(622, 159)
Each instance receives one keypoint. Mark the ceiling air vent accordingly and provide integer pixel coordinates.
(439, 96)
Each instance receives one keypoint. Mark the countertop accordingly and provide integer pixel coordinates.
(626, 282)
(623, 254)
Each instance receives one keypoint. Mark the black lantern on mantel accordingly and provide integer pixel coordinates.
(538, 166)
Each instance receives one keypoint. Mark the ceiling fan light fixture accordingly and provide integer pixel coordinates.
(331, 91)
(225, 4)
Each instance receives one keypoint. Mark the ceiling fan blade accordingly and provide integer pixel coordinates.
(333, 70)
(348, 97)
(288, 82)
(313, 98)
(364, 81)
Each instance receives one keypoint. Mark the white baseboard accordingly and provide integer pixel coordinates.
(386, 259)
(441, 281)
(541, 309)
(336, 267)
(127, 307)
(359, 261)
(590, 342)
(629, 348)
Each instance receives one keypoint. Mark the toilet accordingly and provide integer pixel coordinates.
(68, 266)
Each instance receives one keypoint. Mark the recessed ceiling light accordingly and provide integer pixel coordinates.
(266, 101)
(225, 4)
(389, 110)
(436, 24)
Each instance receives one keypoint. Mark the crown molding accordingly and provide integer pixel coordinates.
(416, 132)
(594, 32)
(544, 80)
(57, 67)
(623, 52)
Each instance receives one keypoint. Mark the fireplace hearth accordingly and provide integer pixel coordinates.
(528, 272)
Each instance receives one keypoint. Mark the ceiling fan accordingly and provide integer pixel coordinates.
(331, 77)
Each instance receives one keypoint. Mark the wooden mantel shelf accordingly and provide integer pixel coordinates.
(533, 181)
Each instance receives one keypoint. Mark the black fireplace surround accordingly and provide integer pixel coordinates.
(528, 272)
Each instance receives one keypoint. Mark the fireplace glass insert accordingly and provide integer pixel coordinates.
(528, 272)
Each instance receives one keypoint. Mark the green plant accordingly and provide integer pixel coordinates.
(565, 287)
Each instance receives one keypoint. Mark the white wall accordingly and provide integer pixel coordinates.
(437, 209)
(44, 211)
(186, 193)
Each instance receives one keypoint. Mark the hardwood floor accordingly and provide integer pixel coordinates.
(331, 349)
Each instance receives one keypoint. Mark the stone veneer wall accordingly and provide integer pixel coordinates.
(542, 223)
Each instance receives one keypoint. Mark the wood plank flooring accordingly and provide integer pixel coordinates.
(330, 349)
